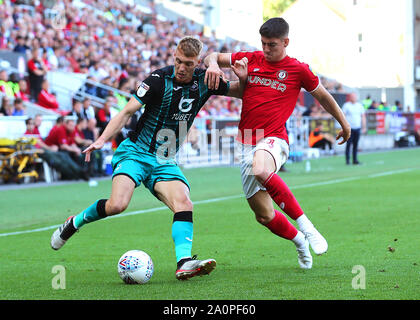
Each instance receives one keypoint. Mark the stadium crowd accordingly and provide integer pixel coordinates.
(112, 43)
(102, 41)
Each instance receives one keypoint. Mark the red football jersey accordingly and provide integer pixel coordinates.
(270, 95)
(58, 135)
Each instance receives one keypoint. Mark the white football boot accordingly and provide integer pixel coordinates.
(304, 255)
(318, 243)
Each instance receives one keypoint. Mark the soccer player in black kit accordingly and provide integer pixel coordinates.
(172, 97)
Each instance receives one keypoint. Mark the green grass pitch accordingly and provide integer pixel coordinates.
(369, 214)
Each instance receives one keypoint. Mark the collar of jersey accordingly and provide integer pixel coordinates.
(172, 76)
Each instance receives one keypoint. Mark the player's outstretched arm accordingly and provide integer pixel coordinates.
(330, 105)
(214, 61)
(114, 126)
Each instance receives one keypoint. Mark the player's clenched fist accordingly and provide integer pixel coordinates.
(240, 67)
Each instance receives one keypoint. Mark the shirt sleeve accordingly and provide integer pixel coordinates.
(241, 54)
(309, 80)
(149, 88)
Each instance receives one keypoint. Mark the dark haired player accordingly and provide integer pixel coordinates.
(270, 95)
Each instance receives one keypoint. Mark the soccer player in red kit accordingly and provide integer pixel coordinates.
(270, 95)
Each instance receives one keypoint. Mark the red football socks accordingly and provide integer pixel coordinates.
(282, 196)
(281, 226)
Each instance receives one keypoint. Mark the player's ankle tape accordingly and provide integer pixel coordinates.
(183, 216)
(100, 208)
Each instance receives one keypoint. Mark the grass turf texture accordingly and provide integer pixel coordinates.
(369, 215)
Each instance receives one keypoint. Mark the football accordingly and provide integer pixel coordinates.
(135, 267)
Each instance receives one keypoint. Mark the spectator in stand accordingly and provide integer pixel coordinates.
(7, 109)
(32, 131)
(53, 131)
(63, 136)
(124, 85)
(6, 86)
(52, 59)
(313, 111)
(97, 71)
(367, 102)
(320, 139)
(83, 141)
(45, 60)
(59, 161)
(22, 90)
(37, 71)
(374, 105)
(67, 140)
(19, 107)
(56, 134)
(397, 107)
(88, 88)
(47, 99)
(77, 110)
(21, 46)
(37, 122)
(104, 114)
(104, 92)
(79, 137)
(88, 110)
(74, 64)
(91, 132)
(383, 106)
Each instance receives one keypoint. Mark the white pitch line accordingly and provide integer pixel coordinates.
(315, 184)
(388, 173)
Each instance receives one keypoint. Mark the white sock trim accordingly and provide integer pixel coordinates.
(303, 222)
(299, 240)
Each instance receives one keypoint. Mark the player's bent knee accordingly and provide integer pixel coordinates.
(115, 207)
(263, 219)
(183, 204)
(261, 173)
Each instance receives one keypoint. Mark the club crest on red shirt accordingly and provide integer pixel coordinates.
(282, 75)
